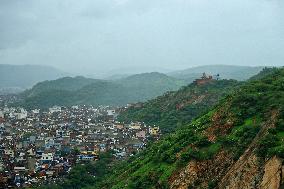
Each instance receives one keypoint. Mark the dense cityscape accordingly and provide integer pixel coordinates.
(42, 146)
(127, 94)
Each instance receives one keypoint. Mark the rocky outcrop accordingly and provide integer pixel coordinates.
(273, 174)
(197, 174)
(186, 177)
(250, 174)
(246, 173)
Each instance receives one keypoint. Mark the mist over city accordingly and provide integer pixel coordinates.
(142, 94)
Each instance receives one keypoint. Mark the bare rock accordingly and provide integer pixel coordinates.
(272, 177)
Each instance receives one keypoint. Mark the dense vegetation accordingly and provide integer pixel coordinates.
(80, 90)
(231, 126)
(272, 144)
(179, 108)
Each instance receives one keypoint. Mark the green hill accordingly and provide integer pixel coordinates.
(80, 90)
(145, 86)
(64, 84)
(179, 107)
(241, 137)
(238, 136)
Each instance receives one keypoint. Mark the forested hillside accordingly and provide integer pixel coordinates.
(145, 86)
(80, 90)
(243, 135)
(177, 108)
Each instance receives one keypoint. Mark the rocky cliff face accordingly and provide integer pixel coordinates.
(273, 174)
(202, 173)
(222, 172)
(250, 174)
(245, 173)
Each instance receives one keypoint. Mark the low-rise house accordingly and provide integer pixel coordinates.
(54, 109)
(9, 152)
(135, 126)
(31, 152)
(141, 134)
(154, 130)
(46, 157)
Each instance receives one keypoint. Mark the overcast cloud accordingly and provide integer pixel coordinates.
(95, 36)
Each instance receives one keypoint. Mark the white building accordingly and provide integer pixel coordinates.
(55, 109)
(6, 109)
(23, 114)
(9, 152)
(1, 114)
(31, 152)
(36, 111)
(47, 157)
(75, 107)
(110, 112)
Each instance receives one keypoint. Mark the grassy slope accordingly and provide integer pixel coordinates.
(230, 126)
(80, 90)
(180, 107)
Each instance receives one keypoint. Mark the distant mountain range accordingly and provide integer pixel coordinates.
(81, 90)
(117, 91)
(15, 78)
(19, 77)
(240, 73)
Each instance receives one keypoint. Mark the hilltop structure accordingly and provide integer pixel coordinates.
(204, 79)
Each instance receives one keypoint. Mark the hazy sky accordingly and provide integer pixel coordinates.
(92, 36)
